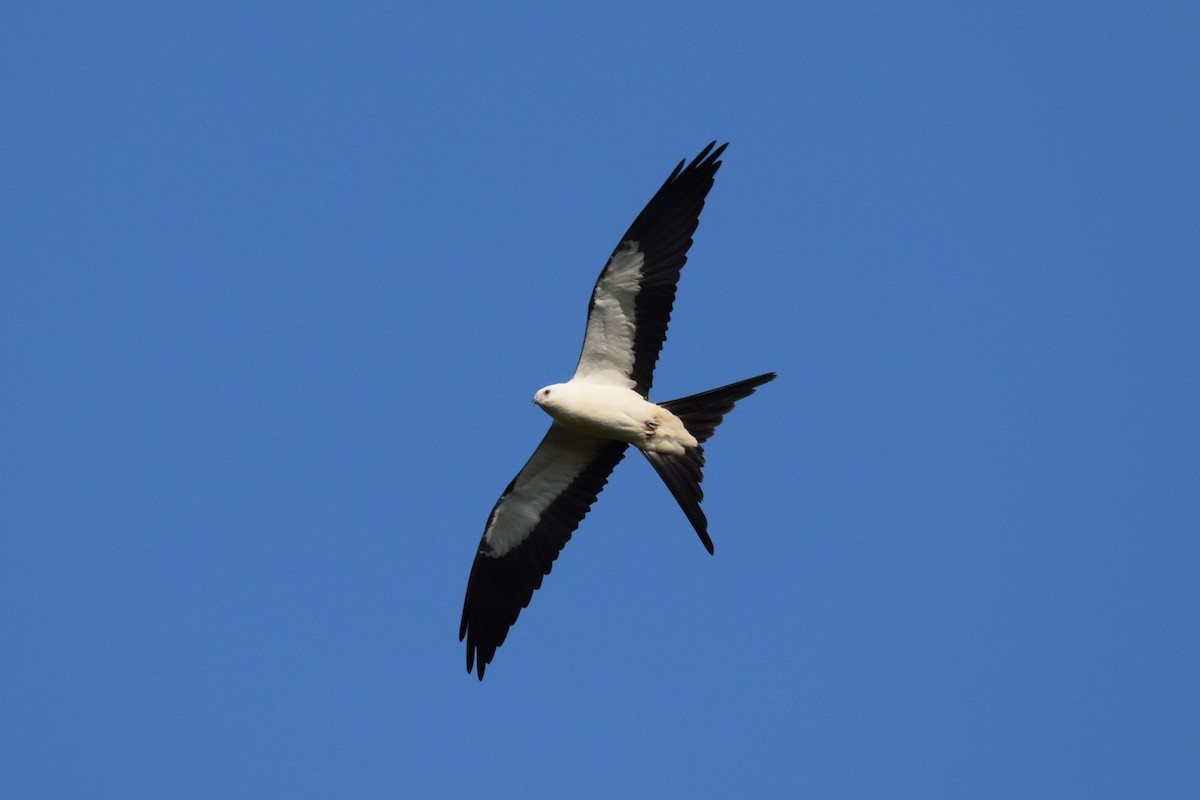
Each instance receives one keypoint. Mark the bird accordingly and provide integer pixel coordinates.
(601, 411)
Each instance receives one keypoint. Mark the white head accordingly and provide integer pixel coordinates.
(549, 398)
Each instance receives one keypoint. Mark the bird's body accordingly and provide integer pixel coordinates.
(602, 410)
(615, 413)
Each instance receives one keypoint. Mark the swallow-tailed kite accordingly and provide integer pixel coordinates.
(599, 412)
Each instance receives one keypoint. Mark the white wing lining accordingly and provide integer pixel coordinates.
(561, 458)
(607, 355)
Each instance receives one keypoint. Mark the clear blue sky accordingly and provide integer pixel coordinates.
(279, 280)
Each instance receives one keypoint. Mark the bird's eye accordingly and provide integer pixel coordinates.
(545, 392)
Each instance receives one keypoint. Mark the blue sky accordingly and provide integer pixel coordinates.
(280, 279)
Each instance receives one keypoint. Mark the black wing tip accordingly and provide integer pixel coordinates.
(708, 158)
(478, 655)
(709, 155)
(481, 663)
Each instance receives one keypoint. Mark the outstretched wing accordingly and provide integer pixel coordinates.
(529, 525)
(631, 302)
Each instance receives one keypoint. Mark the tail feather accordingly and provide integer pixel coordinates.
(682, 475)
(701, 414)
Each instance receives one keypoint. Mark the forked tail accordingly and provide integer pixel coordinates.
(701, 414)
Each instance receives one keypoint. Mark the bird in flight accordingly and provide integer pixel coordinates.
(602, 410)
